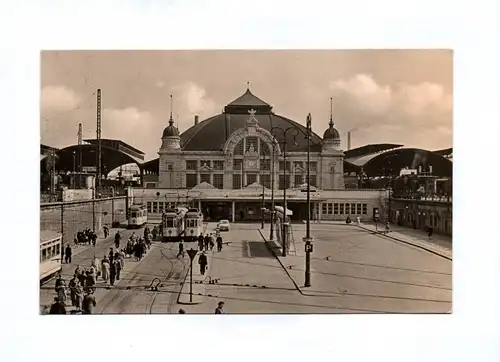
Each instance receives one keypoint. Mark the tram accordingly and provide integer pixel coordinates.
(50, 254)
(173, 224)
(193, 224)
(138, 216)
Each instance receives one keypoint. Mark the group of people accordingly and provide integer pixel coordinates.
(138, 246)
(86, 236)
(208, 242)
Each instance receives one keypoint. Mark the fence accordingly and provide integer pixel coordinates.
(70, 217)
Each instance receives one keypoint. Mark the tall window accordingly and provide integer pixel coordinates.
(237, 164)
(191, 180)
(282, 166)
(313, 167)
(312, 180)
(218, 165)
(236, 181)
(341, 206)
(251, 178)
(284, 183)
(364, 209)
(218, 180)
(238, 150)
(265, 180)
(358, 209)
(324, 209)
(335, 209)
(298, 180)
(191, 165)
(205, 177)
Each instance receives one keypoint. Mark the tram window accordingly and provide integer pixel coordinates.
(335, 209)
(49, 252)
(54, 251)
(133, 214)
(365, 209)
(149, 206)
(155, 207)
(58, 249)
(170, 223)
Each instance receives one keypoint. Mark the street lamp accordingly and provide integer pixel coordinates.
(295, 132)
(273, 145)
(74, 170)
(307, 239)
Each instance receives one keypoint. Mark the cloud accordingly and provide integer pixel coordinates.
(159, 83)
(58, 99)
(190, 99)
(364, 104)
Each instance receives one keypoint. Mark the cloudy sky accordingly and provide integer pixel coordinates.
(396, 96)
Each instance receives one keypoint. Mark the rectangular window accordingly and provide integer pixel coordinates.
(237, 164)
(358, 209)
(252, 144)
(330, 209)
(365, 209)
(265, 164)
(150, 207)
(312, 180)
(205, 163)
(58, 249)
(283, 165)
(191, 164)
(251, 178)
(236, 181)
(313, 167)
(265, 180)
(155, 207)
(282, 184)
(335, 209)
(170, 167)
(161, 206)
(341, 209)
(353, 209)
(191, 180)
(324, 206)
(219, 180)
(298, 180)
(238, 149)
(218, 165)
(170, 222)
(205, 177)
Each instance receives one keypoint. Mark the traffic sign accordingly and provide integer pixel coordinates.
(309, 248)
(192, 253)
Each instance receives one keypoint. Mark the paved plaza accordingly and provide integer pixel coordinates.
(353, 270)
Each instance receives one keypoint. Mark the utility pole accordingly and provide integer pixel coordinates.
(98, 163)
(307, 239)
(53, 183)
(80, 153)
(192, 253)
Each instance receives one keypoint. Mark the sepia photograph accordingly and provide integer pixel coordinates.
(246, 181)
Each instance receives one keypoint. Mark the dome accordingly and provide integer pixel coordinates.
(170, 130)
(212, 133)
(331, 133)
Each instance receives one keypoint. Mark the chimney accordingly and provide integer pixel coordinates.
(348, 140)
(195, 120)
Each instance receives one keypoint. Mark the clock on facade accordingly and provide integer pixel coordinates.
(250, 164)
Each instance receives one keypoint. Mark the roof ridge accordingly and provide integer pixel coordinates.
(248, 93)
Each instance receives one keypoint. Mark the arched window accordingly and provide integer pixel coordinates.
(238, 149)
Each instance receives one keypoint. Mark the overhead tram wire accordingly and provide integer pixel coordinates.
(77, 108)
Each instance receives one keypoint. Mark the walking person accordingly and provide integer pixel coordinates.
(78, 297)
(112, 273)
(72, 289)
(219, 243)
(200, 242)
(181, 250)
(430, 231)
(93, 237)
(212, 242)
(67, 254)
(106, 232)
(88, 303)
(118, 266)
(61, 293)
(96, 265)
(118, 237)
(202, 260)
(105, 269)
(206, 241)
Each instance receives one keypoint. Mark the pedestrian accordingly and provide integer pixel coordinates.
(200, 241)
(72, 289)
(78, 297)
(387, 227)
(57, 307)
(181, 250)
(93, 236)
(206, 241)
(118, 266)
(111, 255)
(105, 268)
(182, 311)
(106, 232)
(96, 264)
(118, 237)
(219, 243)
(430, 231)
(212, 243)
(88, 303)
(61, 293)
(220, 308)
(112, 273)
(358, 220)
(122, 258)
(59, 281)
(90, 280)
(202, 260)
(67, 254)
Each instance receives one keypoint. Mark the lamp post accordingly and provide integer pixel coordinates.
(74, 170)
(262, 209)
(307, 239)
(273, 145)
(295, 132)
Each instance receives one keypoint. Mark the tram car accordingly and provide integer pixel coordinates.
(50, 255)
(193, 224)
(173, 224)
(138, 216)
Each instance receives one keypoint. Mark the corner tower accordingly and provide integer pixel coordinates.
(332, 157)
(170, 156)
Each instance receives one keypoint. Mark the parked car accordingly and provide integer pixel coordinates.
(223, 225)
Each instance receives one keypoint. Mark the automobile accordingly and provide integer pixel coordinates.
(223, 225)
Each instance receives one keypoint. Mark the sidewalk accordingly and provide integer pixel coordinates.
(438, 244)
(199, 287)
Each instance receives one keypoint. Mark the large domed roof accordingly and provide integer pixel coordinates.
(212, 133)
